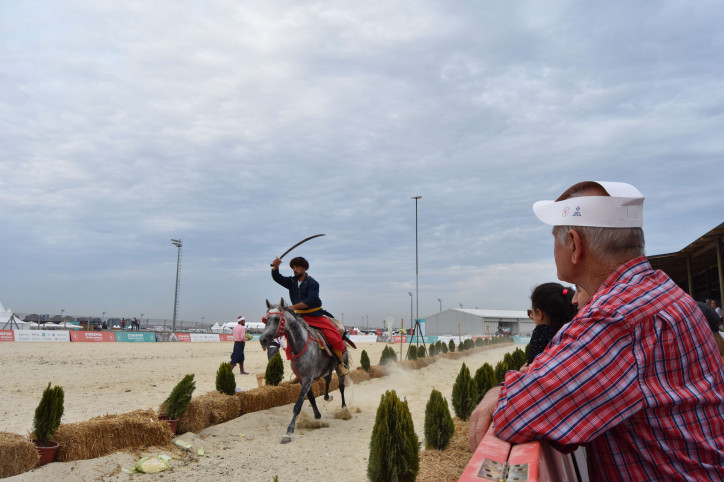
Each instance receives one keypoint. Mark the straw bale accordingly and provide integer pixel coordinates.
(103, 435)
(17, 454)
(267, 396)
(209, 409)
(359, 375)
(379, 371)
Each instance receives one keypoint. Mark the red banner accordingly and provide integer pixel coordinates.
(226, 337)
(379, 331)
(7, 335)
(92, 336)
(399, 338)
(183, 337)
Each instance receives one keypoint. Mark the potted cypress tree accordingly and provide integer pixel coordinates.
(46, 422)
(177, 401)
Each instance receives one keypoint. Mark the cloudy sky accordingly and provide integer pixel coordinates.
(243, 127)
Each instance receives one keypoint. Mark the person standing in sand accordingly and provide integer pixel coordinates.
(239, 337)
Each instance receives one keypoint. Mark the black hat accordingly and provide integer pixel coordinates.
(710, 315)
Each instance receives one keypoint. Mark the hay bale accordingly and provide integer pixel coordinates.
(100, 436)
(379, 371)
(360, 375)
(17, 454)
(266, 397)
(209, 409)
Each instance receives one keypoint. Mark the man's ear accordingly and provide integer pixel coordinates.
(574, 244)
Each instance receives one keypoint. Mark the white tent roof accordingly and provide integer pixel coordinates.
(6, 315)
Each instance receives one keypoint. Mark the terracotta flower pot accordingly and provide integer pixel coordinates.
(47, 453)
(172, 423)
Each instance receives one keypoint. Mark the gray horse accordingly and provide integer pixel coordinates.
(309, 363)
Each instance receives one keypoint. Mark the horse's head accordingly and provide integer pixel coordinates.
(274, 325)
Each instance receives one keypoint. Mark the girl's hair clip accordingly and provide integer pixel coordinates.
(565, 291)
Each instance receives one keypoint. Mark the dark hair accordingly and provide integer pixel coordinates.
(554, 300)
(299, 261)
(710, 315)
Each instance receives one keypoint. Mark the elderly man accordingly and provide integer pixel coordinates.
(635, 376)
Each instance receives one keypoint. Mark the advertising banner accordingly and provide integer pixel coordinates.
(223, 337)
(92, 336)
(400, 338)
(135, 336)
(41, 335)
(6, 335)
(363, 338)
(212, 337)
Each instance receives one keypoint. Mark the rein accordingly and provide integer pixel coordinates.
(282, 332)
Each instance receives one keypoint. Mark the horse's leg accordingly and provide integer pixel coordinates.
(313, 403)
(327, 381)
(297, 408)
(341, 390)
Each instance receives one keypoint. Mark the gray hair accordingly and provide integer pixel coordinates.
(607, 244)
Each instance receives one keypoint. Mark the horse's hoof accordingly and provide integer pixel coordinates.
(286, 439)
(329, 398)
(317, 416)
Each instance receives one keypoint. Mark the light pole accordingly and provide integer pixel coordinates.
(62, 318)
(440, 300)
(178, 243)
(138, 326)
(410, 293)
(417, 286)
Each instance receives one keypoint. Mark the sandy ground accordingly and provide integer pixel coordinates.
(101, 378)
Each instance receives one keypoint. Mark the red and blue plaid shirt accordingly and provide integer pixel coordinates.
(635, 377)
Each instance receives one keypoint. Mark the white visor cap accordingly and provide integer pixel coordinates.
(241, 318)
(623, 208)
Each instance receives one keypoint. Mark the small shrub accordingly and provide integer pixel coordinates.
(412, 352)
(451, 346)
(180, 397)
(509, 361)
(464, 394)
(274, 373)
(364, 360)
(500, 370)
(48, 414)
(433, 349)
(443, 347)
(484, 380)
(461, 347)
(479, 342)
(394, 447)
(439, 426)
(520, 358)
(421, 351)
(388, 356)
(225, 381)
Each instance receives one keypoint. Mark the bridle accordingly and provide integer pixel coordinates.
(282, 323)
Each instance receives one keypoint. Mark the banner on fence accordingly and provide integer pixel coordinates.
(363, 338)
(212, 337)
(41, 335)
(125, 336)
(6, 335)
(81, 336)
(223, 337)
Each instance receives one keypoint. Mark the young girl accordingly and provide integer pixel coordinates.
(551, 308)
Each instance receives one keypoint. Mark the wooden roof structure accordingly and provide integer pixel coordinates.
(697, 268)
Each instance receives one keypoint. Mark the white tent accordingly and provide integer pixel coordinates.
(8, 320)
(216, 328)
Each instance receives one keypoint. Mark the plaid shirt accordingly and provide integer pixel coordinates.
(635, 377)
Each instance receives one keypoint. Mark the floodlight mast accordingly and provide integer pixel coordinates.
(178, 243)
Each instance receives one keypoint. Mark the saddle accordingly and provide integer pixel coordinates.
(342, 331)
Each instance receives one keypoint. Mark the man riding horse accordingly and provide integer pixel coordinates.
(304, 295)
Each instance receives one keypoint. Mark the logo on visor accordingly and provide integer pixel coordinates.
(565, 212)
(578, 211)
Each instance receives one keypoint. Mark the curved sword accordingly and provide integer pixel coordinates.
(300, 242)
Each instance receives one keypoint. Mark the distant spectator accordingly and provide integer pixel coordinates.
(714, 322)
(123, 323)
(717, 308)
(551, 308)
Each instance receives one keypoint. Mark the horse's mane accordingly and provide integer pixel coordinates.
(299, 319)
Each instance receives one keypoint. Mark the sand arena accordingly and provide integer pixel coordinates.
(102, 378)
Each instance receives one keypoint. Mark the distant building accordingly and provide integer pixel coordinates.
(478, 322)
